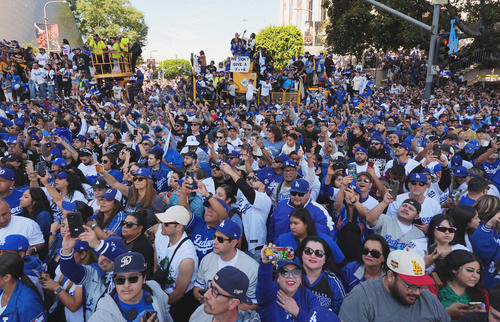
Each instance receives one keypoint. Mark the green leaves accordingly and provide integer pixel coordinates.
(174, 67)
(109, 18)
(282, 42)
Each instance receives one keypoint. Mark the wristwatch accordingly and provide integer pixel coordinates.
(94, 225)
(58, 290)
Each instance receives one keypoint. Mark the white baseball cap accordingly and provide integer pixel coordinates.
(409, 266)
(177, 214)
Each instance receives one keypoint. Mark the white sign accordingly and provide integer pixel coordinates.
(240, 65)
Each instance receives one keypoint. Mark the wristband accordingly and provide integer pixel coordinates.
(210, 195)
(58, 290)
(94, 225)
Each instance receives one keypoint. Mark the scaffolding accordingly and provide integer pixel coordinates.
(112, 64)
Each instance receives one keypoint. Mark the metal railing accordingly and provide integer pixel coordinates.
(112, 64)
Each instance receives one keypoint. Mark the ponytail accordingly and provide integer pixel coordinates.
(28, 282)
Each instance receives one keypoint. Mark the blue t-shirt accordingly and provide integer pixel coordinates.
(467, 201)
(116, 223)
(139, 307)
(202, 236)
(493, 171)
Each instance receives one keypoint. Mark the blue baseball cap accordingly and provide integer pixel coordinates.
(460, 171)
(145, 172)
(60, 162)
(234, 153)
(300, 186)
(233, 281)
(362, 149)
(109, 194)
(222, 202)
(262, 176)
(470, 148)
(294, 261)
(82, 138)
(290, 163)
(81, 246)
(377, 138)
(7, 174)
(456, 161)
(404, 145)
(62, 175)
(129, 262)
(15, 242)
(419, 177)
(437, 168)
(415, 126)
(68, 206)
(229, 228)
(282, 157)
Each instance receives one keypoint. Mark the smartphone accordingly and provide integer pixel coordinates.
(75, 223)
(351, 171)
(135, 132)
(29, 166)
(418, 221)
(42, 169)
(280, 253)
(475, 304)
(190, 179)
(431, 248)
(394, 186)
(436, 150)
(148, 314)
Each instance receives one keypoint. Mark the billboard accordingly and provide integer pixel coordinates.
(309, 33)
(41, 37)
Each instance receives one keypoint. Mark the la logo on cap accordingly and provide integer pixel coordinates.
(417, 269)
(221, 223)
(297, 184)
(126, 260)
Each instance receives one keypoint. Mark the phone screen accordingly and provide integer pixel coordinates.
(75, 223)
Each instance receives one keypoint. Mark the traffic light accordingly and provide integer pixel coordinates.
(442, 49)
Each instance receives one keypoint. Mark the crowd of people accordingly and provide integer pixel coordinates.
(359, 203)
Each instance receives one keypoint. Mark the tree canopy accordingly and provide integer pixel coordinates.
(355, 25)
(109, 18)
(282, 42)
(174, 67)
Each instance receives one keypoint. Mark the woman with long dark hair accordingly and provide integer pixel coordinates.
(321, 273)
(460, 283)
(466, 220)
(372, 264)
(36, 206)
(302, 226)
(19, 297)
(66, 188)
(109, 164)
(108, 220)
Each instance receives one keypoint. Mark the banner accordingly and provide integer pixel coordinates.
(240, 65)
(41, 37)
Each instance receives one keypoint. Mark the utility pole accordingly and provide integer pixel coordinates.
(432, 29)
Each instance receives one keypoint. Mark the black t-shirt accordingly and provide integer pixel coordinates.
(142, 245)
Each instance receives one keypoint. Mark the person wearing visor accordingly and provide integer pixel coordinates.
(133, 298)
(400, 295)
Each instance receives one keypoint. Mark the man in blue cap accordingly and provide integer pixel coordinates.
(226, 239)
(402, 158)
(279, 222)
(377, 154)
(7, 191)
(133, 297)
(225, 294)
(361, 161)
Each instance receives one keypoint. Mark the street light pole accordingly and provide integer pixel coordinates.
(46, 20)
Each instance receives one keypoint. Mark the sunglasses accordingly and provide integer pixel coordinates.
(120, 280)
(253, 178)
(295, 193)
(168, 223)
(140, 179)
(317, 252)
(375, 143)
(220, 137)
(420, 183)
(221, 239)
(365, 180)
(104, 161)
(374, 253)
(296, 272)
(444, 229)
(129, 224)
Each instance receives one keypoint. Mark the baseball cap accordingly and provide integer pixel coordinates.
(222, 202)
(129, 262)
(409, 266)
(300, 186)
(15, 242)
(109, 194)
(7, 174)
(290, 163)
(229, 228)
(456, 161)
(469, 148)
(69, 206)
(145, 172)
(415, 126)
(233, 281)
(414, 203)
(420, 177)
(282, 157)
(84, 152)
(235, 154)
(100, 183)
(62, 175)
(177, 214)
(294, 261)
(404, 145)
(60, 162)
(362, 149)
(82, 138)
(460, 171)
(81, 246)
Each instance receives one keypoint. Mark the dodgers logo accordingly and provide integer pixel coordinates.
(125, 260)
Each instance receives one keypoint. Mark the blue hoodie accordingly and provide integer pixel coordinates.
(269, 310)
(24, 305)
(486, 244)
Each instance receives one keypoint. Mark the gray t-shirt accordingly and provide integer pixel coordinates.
(370, 301)
(244, 316)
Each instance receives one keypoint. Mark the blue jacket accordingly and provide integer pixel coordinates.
(288, 239)
(24, 306)
(351, 276)
(486, 244)
(279, 222)
(266, 291)
(331, 301)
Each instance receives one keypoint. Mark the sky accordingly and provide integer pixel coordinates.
(179, 28)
